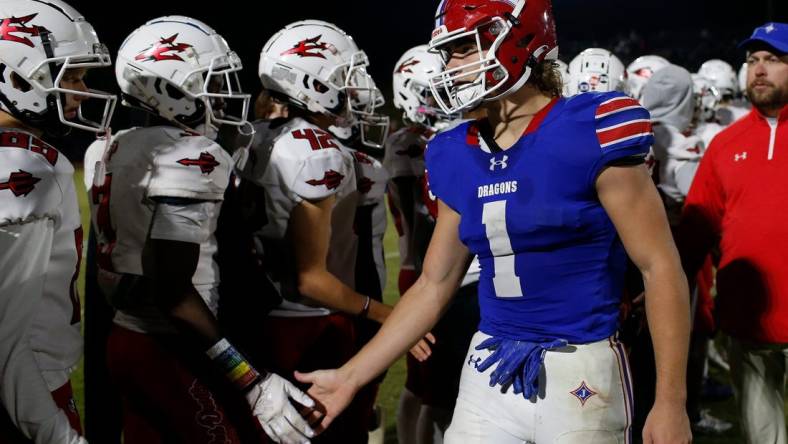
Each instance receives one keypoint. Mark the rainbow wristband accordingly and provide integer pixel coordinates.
(233, 364)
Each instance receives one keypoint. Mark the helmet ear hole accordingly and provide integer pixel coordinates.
(525, 41)
(174, 92)
(19, 83)
(319, 86)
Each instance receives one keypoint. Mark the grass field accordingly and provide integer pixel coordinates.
(395, 378)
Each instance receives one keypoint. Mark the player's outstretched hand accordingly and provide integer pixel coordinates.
(422, 350)
(270, 402)
(667, 423)
(332, 391)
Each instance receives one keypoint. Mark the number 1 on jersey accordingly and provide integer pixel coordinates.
(505, 280)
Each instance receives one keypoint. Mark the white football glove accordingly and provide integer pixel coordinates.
(271, 406)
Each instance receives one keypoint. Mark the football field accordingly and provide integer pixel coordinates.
(395, 378)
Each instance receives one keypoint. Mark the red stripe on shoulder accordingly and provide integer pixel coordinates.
(621, 132)
(616, 104)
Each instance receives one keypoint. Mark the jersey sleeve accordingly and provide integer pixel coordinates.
(439, 167)
(29, 187)
(182, 221)
(193, 168)
(314, 174)
(623, 129)
(24, 254)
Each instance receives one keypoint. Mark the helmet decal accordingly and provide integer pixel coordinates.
(10, 27)
(164, 49)
(303, 48)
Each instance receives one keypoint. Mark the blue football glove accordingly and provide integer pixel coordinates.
(518, 362)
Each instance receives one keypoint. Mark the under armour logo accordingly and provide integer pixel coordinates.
(769, 28)
(475, 362)
(740, 156)
(501, 163)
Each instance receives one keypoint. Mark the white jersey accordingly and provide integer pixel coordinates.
(404, 157)
(707, 130)
(727, 114)
(143, 164)
(371, 180)
(678, 157)
(295, 161)
(40, 253)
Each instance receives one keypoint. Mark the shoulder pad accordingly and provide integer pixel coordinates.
(30, 185)
(310, 162)
(189, 166)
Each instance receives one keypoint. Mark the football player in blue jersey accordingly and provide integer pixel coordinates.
(551, 194)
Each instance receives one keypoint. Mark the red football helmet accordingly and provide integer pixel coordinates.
(511, 36)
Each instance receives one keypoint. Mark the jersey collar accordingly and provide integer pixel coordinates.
(480, 132)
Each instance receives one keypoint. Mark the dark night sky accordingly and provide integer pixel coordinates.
(384, 30)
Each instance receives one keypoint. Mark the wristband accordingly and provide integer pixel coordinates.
(233, 364)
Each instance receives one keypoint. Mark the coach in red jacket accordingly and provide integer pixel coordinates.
(739, 202)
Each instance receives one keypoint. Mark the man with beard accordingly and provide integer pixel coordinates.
(735, 201)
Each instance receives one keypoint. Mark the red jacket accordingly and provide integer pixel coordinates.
(739, 199)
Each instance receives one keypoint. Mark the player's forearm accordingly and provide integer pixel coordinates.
(171, 265)
(324, 288)
(415, 314)
(193, 318)
(668, 314)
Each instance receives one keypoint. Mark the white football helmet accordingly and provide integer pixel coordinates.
(40, 41)
(596, 69)
(743, 78)
(641, 70)
(721, 75)
(563, 69)
(707, 98)
(373, 126)
(411, 85)
(180, 69)
(317, 67)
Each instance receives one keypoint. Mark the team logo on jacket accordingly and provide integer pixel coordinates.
(20, 183)
(10, 28)
(308, 48)
(583, 393)
(206, 162)
(164, 49)
(331, 179)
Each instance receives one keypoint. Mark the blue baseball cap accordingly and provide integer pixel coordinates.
(773, 34)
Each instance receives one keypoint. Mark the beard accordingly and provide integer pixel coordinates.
(773, 97)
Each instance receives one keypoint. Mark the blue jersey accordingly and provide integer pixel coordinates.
(552, 264)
